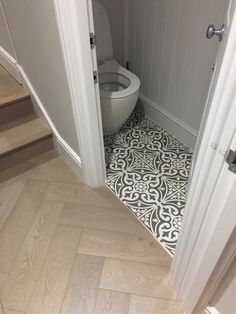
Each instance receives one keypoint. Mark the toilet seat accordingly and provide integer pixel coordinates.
(118, 81)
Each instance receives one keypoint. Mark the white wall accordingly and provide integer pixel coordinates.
(5, 38)
(169, 51)
(115, 10)
(34, 32)
(224, 299)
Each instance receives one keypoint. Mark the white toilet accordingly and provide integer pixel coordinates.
(119, 88)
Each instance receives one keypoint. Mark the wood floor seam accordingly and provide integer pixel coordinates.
(76, 274)
(110, 230)
(67, 286)
(136, 262)
(11, 213)
(32, 219)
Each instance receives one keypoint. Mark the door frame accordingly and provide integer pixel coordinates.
(187, 267)
(74, 24)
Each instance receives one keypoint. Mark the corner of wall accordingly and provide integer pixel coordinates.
(173, 125)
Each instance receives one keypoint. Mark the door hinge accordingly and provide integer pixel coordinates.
(92, 37)
(231, 160)
(95, 77)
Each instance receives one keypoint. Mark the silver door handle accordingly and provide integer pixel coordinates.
(211, 31)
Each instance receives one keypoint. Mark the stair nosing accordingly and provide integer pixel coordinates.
(25, 142)
(13, 99)
(28, 144)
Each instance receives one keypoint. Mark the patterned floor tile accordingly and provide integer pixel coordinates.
(148, 170)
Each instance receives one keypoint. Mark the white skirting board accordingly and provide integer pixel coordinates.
(170, 123)
(68, 154)
(64, 149)
(9, 63)
(211, 310)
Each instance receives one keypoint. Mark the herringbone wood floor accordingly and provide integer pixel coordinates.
(67, 248)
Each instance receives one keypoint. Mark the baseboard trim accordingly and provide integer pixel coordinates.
(173, 125)
(63, 148)
(9, 63)
(69, 156)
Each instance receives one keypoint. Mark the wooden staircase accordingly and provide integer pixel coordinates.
(22, 134)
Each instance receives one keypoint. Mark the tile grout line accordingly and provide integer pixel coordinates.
(164, 143)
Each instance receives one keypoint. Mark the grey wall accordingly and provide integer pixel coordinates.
(169, 51)
(5, 39)
(33, 27)
(115, 10)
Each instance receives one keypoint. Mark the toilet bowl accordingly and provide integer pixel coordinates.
(119, 88)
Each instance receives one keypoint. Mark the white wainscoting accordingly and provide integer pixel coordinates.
(169, 122)
(169, 52)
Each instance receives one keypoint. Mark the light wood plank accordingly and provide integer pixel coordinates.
(3, 277)
(27, 266)
(123, 246)
(140, 305)
(7, 311)
(21, 162)
(23, 134)
(82, 194)
(54, 169)
(17, 97)
(12, 123)
(111, 302)
(19, 221)
(51, 285)
(137, 278)
(15, 111)
(8, 197)
(83, 286)
(101, 218)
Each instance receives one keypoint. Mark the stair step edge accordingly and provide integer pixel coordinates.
(9, 100)
(36, 130)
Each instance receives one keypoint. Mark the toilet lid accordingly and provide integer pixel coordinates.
(103, 32)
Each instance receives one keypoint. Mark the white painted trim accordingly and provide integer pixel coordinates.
(7, 60)
(211, 310)
(9, 63)
(189, 273)
(166, 120)
(73, 26)
(70, 156)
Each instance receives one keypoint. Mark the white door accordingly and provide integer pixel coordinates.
(216, 231)
(216, 135)
(217, 67)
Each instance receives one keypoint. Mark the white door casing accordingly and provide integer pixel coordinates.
(74, 25)
(216, 138)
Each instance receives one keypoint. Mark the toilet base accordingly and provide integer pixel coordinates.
(115, 112)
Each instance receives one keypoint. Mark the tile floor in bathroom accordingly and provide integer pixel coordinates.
(148, 169)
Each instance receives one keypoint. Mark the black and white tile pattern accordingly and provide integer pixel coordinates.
(148, 170)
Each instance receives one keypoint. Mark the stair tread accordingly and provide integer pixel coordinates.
(14, 98)
(14, 123)
(20, 135)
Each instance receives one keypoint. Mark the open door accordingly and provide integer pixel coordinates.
(211, 182)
